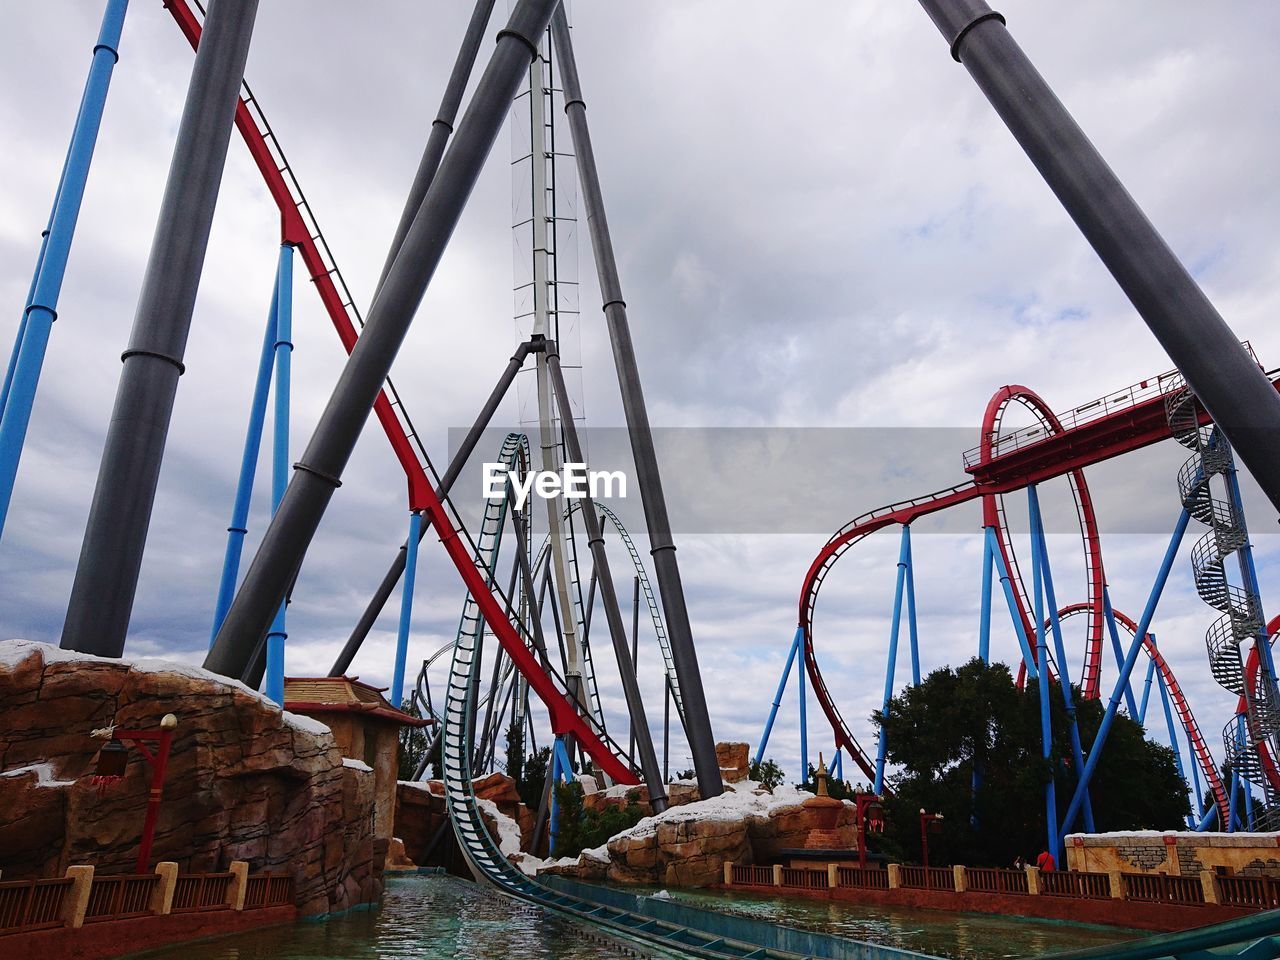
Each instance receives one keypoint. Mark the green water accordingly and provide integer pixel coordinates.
(964, 936)
(426, 918)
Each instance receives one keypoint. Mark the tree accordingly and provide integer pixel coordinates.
(767, 773)
(413, 742)
(579, 829)
(534, 779)
(974, 718)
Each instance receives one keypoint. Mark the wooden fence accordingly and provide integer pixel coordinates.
(118, 898)
(27, 905)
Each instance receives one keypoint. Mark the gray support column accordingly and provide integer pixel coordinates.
(609, 596)
(441, 128)
(1218, 369)
(319, 471)
(392, 577)
(648, 478)
(106, 578)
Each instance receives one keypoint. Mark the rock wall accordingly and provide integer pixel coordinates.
(688, 845)
(245, 781)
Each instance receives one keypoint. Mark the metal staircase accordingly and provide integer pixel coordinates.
(1242, 620)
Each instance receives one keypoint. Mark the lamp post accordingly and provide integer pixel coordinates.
(114, 757)
(869, 805)
(928, 822)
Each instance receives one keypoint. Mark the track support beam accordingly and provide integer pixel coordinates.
(106, 579)
(1217, 367)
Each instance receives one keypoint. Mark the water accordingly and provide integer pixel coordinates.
(963, 936)
(425, 918)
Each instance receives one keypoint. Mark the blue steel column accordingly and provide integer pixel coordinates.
(1064, 673)
(777, 697)
(1099, 741)
(248, 467)
(1109, 614)
(912, 629)
(984, 614)
(1028, 657)
(23, 374)
(904, 554)
(1146, 693)
(280, 466)
(804, 727)
(406, 607)
(1042, 663)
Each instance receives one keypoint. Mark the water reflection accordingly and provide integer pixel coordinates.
(426, 918)
(422, 918)
(963, 936)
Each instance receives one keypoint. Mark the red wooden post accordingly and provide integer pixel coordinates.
(159, 762)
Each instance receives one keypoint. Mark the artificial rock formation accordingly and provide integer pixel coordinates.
(688, 845)
(245, 781)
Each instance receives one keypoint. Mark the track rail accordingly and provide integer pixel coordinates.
(1204, 759)
(299, 227)
(995, 515)
(1131, 423)
(646, 589)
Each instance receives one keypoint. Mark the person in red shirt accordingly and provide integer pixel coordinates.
(1046, 863)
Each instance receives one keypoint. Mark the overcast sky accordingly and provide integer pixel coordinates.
(819, 222)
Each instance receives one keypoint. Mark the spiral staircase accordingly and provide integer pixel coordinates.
(1242, 621)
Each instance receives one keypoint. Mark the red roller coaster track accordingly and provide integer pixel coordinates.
(1120, 423)
(299, 228)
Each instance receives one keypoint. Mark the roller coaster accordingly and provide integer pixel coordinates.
(1218, 402)
(1124, 421)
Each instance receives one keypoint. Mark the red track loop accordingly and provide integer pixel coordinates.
(993, 511)
(1203, 757)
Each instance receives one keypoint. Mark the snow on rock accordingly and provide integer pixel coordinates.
(688, 845)
(508, 830)
(13, 652)
(739, 802)
(356, 764)
(44, 775)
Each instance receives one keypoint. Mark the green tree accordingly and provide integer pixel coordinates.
(534, 779)
(767, 773)
(579, 829)
(413, 743)
(958, 720)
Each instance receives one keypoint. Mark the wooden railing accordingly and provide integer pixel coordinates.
(991, 880)
(201, 891)
(269, 890)
(1257, 893)
(928, 878)
(805, 879)
(31, 904)
(869, 878)
(1161, 888)
(1245, 892)
(760, 876)
(116, 898)
(1075, 883)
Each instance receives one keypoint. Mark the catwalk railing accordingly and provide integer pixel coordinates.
(81, 897)
(1246, 892)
